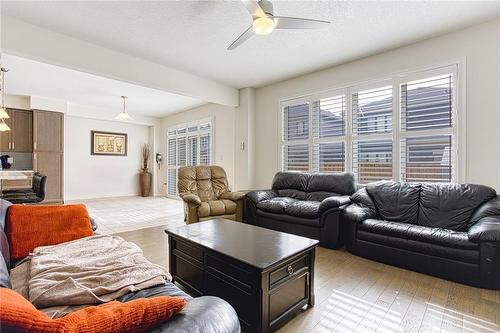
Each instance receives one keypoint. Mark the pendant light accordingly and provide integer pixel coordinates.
(3, 112)
(124, 116)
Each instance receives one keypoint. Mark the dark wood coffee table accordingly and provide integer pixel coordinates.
(266, 275)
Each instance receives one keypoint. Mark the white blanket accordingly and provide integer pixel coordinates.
(90, 270)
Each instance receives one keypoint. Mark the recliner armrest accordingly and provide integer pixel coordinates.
(190, 198)
(261, 195)
(234, 196)
(333, 202)
(486, 229)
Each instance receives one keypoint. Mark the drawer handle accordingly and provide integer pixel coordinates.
(289, 269)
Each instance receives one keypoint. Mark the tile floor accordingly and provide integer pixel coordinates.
(122, 214)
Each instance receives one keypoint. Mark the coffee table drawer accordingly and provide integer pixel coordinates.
(185, 248)
(189, 273)
(287, 270)
(288, 296)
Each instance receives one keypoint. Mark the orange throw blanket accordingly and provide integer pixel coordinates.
(19, 315)
(32, 226)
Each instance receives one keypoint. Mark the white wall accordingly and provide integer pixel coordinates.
(223, 118)
(91, 176)
(479, 45)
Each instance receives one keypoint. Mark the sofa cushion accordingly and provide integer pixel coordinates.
(275, 205)
(216, 207)
(395, 201)
(419, 233)
(290, 180)
(31, 226)
(19, 315)
(319, 196)
(291, 193)
(306, 209)
(451, 206)
(335, 183)
(290, 220)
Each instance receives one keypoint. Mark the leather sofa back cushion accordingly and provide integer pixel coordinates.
(290, 180)
(451, 206)
(313, 187)
(335, 183)
(207, 182)
(28, 227)
(395, 201)
(19, 315)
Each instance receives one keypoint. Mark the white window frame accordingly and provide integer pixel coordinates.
(458, 131)
(199, 133)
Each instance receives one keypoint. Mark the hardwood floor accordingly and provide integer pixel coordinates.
(359, 295)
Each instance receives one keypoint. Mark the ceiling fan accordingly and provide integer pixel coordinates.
(264, 21)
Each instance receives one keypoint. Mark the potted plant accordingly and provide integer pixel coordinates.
(145, 176)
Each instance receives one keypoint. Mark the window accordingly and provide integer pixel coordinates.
(187, 144)
(402, 128)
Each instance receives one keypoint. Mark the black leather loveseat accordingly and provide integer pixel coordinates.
(303, 204)
(206, 314)
(446, 230)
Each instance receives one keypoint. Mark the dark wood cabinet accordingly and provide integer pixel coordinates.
(48, 157)
(5, 136)
(20, 137)
(264, 296)
(22, 131)
(48, 131)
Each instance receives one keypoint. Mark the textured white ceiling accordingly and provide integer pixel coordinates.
(194, 35)
(32, 78)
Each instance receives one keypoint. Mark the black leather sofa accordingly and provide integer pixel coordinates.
(303, 204)
(450, 231)
(206, 314)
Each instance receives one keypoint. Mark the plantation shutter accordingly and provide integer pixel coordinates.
(296, 137)
(372, 111)
(205, 149)
(182, 151)
(427, 110)
(172, 166)
(372, 134)
(329, 134)
(193, 150)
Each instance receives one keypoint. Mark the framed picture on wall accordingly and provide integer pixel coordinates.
(108, 143)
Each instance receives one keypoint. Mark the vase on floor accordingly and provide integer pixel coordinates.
(145, 182)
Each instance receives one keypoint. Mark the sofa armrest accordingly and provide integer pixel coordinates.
(234, 196)
(93, 224)
(206, 314)
(489, 208)
(333, 202)
(357, 213)
(261, 195)
(486, 229)
(190, 198)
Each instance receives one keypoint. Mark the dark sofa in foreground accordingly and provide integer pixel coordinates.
(450, 231)
(205, 314)
(303, 204)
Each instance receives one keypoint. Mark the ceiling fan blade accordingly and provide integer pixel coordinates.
(283, 22)
(253, 8)
(243, 38)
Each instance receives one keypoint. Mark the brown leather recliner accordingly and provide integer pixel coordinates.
(206, 194)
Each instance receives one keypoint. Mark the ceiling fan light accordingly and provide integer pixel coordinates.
(3, 114)
(263, 25)
(4, 127)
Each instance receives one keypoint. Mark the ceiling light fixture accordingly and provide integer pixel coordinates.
(124, 116)
(3, 113)
(263, 25)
